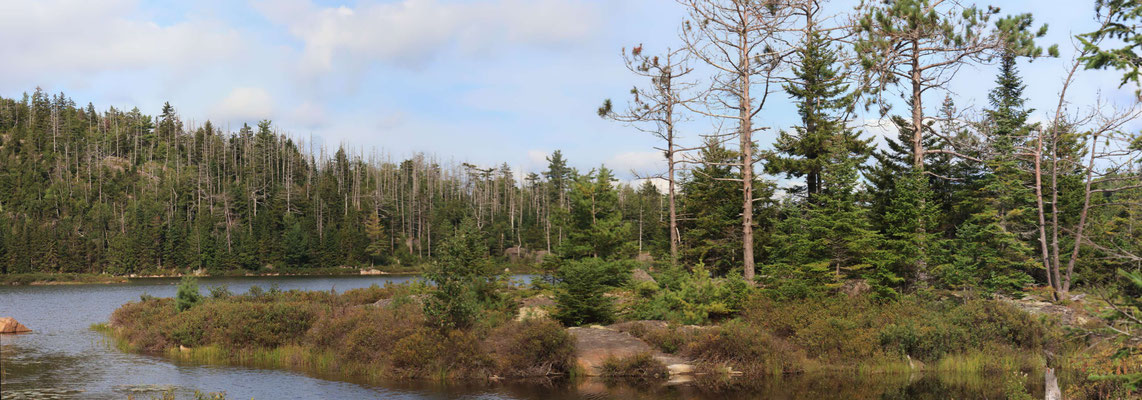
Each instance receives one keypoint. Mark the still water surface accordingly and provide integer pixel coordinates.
(63, 358)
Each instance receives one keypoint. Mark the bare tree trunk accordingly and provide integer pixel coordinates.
(1046, 255)
(1082, 215)
(745, 132)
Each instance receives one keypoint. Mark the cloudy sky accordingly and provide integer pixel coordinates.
(485, 81)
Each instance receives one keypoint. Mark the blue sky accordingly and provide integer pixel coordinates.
(485, 81)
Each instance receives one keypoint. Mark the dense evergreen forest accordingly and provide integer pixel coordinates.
(984, 200)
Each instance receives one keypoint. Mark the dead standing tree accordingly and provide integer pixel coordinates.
(657, 110)
(744, 42)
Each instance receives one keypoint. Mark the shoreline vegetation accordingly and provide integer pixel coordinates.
(74, 278)
(386, 333)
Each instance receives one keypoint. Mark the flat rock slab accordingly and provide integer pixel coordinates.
(593, 345)
(9, 325)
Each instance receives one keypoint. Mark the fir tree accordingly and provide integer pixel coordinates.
(822, 99)
(596, 227)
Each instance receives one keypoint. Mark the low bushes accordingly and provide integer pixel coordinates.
(342, 333)
(689, 297)
(748, 348)
(841, 329)
(638, 366)
(533, 347)
(770, 337)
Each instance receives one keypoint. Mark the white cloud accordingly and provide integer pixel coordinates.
(662, 184)
(309, 115)
(245, 104)
(411, 32)
(640, 162)
(72, 39)
(880, 129)
(536, 157)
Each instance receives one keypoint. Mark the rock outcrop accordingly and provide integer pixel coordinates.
(640, 275)
(595, 344)
(9, 325)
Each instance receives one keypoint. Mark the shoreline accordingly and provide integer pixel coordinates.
(79, 278)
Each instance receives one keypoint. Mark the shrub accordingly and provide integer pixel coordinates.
(749, 348)
(431, 352)
(581, 293)
(533, 347)
(692, 298)
(187, 295)
(641, 365)
(670, 339)
(220, 291)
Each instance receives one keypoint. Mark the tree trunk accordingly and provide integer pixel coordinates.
(745, 106)
(1038, 160)
(1082, 215)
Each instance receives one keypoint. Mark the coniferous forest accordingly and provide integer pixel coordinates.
(887, 227)
(986, 200)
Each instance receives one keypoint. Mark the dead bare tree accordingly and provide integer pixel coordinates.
(657, 109)
(745, 42)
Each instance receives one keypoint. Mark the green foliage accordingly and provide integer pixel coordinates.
(532, 347)
(1121, 26)
(582, 289)
(821, 97)
(596, 221)
(907, 236)
(825, 240)
(464, 279)
(220, 291)
(691, 298)
(748, 348)
(187, 295)
(844, 330)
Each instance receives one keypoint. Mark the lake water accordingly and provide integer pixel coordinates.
(63, 358)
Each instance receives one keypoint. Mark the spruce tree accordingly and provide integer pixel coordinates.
(596, 226)
(710, 211)
(819, 244)
(822, 98)
(986, 251)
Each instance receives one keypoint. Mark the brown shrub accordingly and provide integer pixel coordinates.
(641, 366)
(748, 348)
(534, 347)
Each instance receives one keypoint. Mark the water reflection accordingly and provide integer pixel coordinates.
(63, 358)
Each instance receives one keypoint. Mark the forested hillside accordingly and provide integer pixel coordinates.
(984, 200)
(121, 192)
